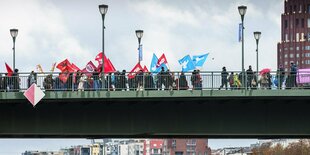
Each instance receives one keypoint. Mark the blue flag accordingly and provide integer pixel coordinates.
(200, 60)
(154, 68)
(187, 63)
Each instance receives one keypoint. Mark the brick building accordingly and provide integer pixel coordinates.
(186, 147)
(295, 34)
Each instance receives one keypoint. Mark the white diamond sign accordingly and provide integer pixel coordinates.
(34, 94)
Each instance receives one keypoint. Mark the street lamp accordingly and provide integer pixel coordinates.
(242, 11)
(103, 10)
(139, 34)
(257, 36)
(14, 33)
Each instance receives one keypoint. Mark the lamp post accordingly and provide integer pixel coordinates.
(139, 34)
(14, 33)
(103, 10)
(242, 11)
(257, 36)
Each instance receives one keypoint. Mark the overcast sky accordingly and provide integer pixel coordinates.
(53, 30)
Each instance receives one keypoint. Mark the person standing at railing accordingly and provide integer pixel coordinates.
(123, 80)
(293, 73)
(140, 76)
(6, 82)
(149, 82)
(254, 81)
(96, 83)
(161, 78)
(280, 76)
(32, 78)
(15, 81)
(183, 85)
(48, 82)
(1, 83)
(82, 78)
(249, 74)
(231, 81)
(224, 75)
(196, 80)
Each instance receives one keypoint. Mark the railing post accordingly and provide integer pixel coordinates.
(72, 80)
(212, 81)
(178, 81)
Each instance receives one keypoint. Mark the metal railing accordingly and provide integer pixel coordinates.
(149, 81)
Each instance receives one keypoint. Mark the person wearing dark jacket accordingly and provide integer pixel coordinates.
(183, 85)
(224, 75)
(249, 74)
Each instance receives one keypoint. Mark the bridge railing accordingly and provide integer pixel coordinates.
(148, 81)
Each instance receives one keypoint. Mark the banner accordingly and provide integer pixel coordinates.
(140, 53)
(303, 76)
(240, 32)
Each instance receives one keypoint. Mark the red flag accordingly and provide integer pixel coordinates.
(145, 69)
(75, 68)
(110, 65)
(90, 67)
(9, 69)
(134, 71)
(99, 58)
(64, 77)
(161, 60)
(65, 66)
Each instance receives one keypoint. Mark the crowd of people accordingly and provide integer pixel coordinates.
(263, 80)
(117, 81)
(164, 80)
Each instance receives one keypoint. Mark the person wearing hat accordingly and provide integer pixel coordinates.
(224, 75)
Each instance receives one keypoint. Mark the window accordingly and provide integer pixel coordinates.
(291, 55)
(297, 37)
(302, 37)
(295, 8)
(297, 48)
(307, 55)
(307, 62)
(285, 56)
(297, 22)
(291, 48)
(285, 63)
(297, 55)
(302, 22)
(285, 24)
(307, 48)
(291, 9)
(308, 10)
(285, 49)
(308, 22)
(286, 37)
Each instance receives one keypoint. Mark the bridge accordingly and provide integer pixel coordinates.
(155, 114)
